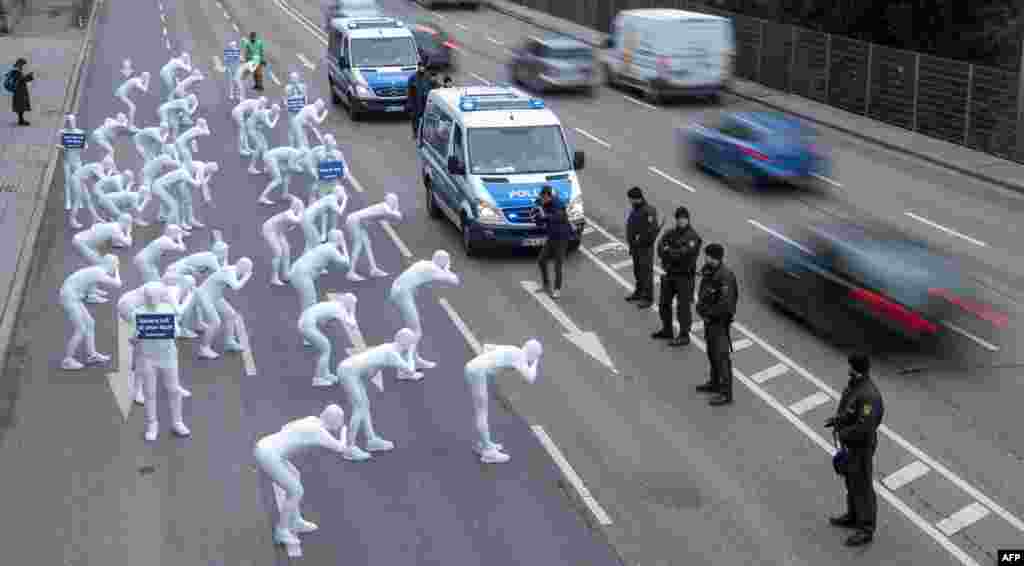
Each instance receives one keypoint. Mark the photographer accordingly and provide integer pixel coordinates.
(550, 214)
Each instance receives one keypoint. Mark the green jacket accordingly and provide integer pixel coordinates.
(253, 50)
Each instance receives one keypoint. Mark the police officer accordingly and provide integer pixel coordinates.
(642, 230)
(856, 425)
(420, 85)
(716, 304)
(550, 214)
(678, 249)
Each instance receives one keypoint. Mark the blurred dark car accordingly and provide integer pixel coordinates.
(554, 63)
(842, 273)
(750, 148)
(436, 44)
(431, 4)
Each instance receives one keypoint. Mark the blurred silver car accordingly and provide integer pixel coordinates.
(471, 4)
(554, 63)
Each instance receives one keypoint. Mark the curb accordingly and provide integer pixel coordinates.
(1017, 187)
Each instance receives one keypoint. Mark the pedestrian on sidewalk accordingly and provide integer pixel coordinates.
(253, 48)
(716, 304)
(642, 231)
(551, 215)
(20, 79)
(678, 249)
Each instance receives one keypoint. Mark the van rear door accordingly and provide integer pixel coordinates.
(693, 51)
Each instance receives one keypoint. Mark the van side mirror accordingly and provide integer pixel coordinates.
(578, 160)
(456, 166)
(609, 43)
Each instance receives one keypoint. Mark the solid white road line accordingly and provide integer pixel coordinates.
(163, 18)
(494, 41)
(394, 238)
(549, 305)
(293, 550)
(355, 184)
(640, 102)
(607, 246)
(832, 182)
(274, 78)
(217, 64)
(942, 228)
(226, 15)
(303, 21)
(305, 62)
(594, 138)
(983, 343)
(622, 264)
(571, 475)
(809, 403)
(462, 26)
(479, 78)
(247, 360)
(764, 228)
(461, 325)
(671, 179)
(235, 27)
(770, 373)
(165, 32)
(905, 475)
(161, 7)
(167, 42)
(741, 344)
(438, 16)
(962, 519)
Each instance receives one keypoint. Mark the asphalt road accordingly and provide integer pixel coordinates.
(682, 483)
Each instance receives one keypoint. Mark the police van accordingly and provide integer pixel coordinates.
(369, 62)
(485, 153)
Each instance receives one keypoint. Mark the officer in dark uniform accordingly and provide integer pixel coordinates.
(419, 87)
(642, 230)
(856, 424)
(678, 249)
(716, 304)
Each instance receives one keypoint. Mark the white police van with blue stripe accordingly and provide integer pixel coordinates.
(485, 153)
(369, 62)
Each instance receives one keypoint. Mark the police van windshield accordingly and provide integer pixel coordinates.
(384, 52)
(524, 149)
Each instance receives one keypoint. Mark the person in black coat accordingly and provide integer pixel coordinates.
(678, 249)
(716, 304)
(550, 213)
(21, 103)
(642, 230)
(420, 85)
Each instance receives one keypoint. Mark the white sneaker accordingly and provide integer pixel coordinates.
(98, 358)
(556, 293)
(355, 454)
(207, 353)
(180, 429)
(406, 376)
(379, 445)
(71, 364)
(375, 272)
(303, 526)
(321, 382)
(494, 456)
(285, 537)
(152, 429)
(425, 364)
(353, 276)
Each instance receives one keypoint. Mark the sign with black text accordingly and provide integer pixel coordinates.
(331, 170)
(296, 103)
(72, 140)
(155, 326)
(232, 56)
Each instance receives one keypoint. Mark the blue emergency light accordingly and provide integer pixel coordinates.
(372, 24)
(472, 103)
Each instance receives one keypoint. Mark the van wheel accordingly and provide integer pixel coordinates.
(467, 242)
(432, 207)
(335, 99)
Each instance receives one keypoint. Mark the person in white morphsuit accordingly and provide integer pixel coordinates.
(239, 74)
(88, 241)
(310, 116)
(403, 295)
(480, 371)
(116, 195)
(188, 141)
(174, 112)
(72, 297)
(168, 189)
(273, 452)
(328, 151)
(260, 120)
(213, 307)
(147, 261)
(282, 162)
(200, 263)
(351, 373)
(355, 224)
(343, 309)
(230, 69)
(153, 169)
(72, 157)
(184, 87)
(169, 73)
(105, 135)
(330, 204)
(240, 114)
(274, 233)
(149, 142)
(160, 355)
(123, 93)
(203, 170)
(295, 90)
(80, 191)
(313, 263)
(126, 68)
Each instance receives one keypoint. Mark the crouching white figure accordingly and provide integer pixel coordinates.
(216, 309)
(105, 135)
(259, 122)
(275, 234)
(81, 192)
(273, 452)
(147, 261)
(343, 309)
(140, 83)
(72, 297)
(116, 195)
(331, 203)
(354, 370)
(240, 114)
(175, 112)
(480, 371)
(199, 263)
(282, 163)
(169, 73)
(310, 116)
(312, 264)
(149, 142)
(355, 224)
(88, 242)
(184, 89)
(403, 295)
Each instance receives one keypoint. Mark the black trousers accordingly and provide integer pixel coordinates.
(416, 117)
(553, 250)
(861, 502)
(680, 288)
(643, 272)
(719, 346)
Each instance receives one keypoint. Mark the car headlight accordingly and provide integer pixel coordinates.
(575, 208)
(363, 91)
(488, 214)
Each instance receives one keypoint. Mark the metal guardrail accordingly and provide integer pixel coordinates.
(970, 105)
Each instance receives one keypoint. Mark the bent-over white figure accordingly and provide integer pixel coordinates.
(81, 192)
(105, 135)
(159, 356)
(480, 371)
(169, 190)
(72, 298)
(123, 93)
(403, 295)
(343, 309)
(115, 195)
(314, 263)
(149, 142)
(184, 89)
(174, 112)
(240, 114)
(204, 264)
(147, 261)
(282, 163)
(213, 307)
(259, 121)
(72, 157)
(275, 234)
(88, 241)
(169, 73)
(188, 141)
(310, 116)
(203, 171)
(355, 225)
(331, 204)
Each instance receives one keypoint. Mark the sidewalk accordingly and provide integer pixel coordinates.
(968, 162)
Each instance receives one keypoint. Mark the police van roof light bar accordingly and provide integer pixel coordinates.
(498, 101)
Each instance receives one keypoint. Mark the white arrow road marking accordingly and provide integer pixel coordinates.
(305, 61)
(217, 64)
(294, 550)
(122, 385)
(247, 359)
(355, 336)
(589, 342)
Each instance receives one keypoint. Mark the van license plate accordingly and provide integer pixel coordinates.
(534, 242)
(394, 109)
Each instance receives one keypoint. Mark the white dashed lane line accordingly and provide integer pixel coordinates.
(163, 18)
(235, 27)
(942, 228)
(227, 16)
(167, 42)
(479, 78)
(165, 32)
(462, 27)
(640, 102)
(593, 138)
(494, 41)
(671, 179)
(305, 62)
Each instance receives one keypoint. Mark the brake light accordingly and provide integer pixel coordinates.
(894, 312)
(450, 44)
(753, 153)
(980, 310)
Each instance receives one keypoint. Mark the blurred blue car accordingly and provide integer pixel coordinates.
(752, 148)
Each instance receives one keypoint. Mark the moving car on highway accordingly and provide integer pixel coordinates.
(348, 9)
(435, 44)
(471, 4)
(750, 148)
(484, 154)
(553, 62)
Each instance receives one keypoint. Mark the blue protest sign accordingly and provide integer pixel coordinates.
(232, 56)
(72, 141)
(296, 103)
(155, 326)
(331, 170)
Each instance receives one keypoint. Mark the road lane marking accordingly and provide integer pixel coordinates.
(571, 475)
(671, 179)
(217, 64)
(226, 15)
(462, 26)
(770, 373)
(809, 403)
(248, 362)
(161, 7)
(394, 238)
(122, 382)
(494, 41)
(302, 21)
(607, 246)
(793, 243)
(697, 327)
(163, 18)
(741, 344)
(235, 26)
(474, 344)
(622, 264)
(962, 519)
(355, 184)
(942, 228)
(293, 550)
(983, 343)
(549, 305)
(167, 42)
(905, 475)
(305, 61)
(438, 16)
(640, 102)
(273, 77)
(587, 341)
(832, 182)
(594, 138)
(479, 78)
(165, 31)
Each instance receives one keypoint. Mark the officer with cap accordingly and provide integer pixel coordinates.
(716, 304)
(642, 230)
(856, 425)
(419, 86)
(678, 249)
